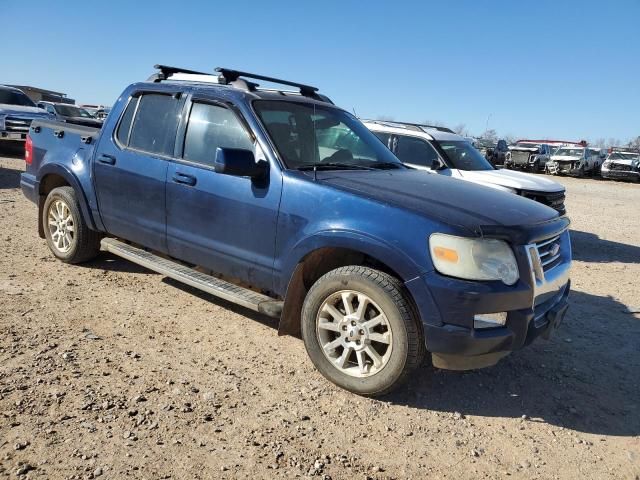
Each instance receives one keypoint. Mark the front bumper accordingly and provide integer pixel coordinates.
(620, 174)
(535, 307)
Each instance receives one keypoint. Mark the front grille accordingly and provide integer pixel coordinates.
(554, 200)
(520, 158)
(17, 124)
(549, 253)
(622, 168)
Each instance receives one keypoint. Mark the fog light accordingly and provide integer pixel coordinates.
(489, 320)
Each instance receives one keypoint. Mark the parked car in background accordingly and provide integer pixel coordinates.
(65, 112)
(622, 164)
(576, 161)
(498, 155)
(372, 263)
(527, 155)
(440, 151)
(17, 111)
(98, 111)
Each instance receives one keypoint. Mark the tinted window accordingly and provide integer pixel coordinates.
(125, 123)
(384, 137)
(415, 151)
(154, 128)
(210, 127)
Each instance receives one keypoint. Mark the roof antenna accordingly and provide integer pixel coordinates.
(354, 112)
(315, 173)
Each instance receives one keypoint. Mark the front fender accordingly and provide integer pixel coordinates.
(375, 247)
(72, 180)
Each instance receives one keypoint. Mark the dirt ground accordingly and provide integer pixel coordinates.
(108, 370)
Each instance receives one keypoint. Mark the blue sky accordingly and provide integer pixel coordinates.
(533, 69)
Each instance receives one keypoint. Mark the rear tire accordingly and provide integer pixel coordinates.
(68, 236)
(361, 331)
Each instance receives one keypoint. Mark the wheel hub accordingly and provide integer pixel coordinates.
(354, 333)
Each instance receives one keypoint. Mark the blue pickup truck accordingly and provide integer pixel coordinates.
(242, 191)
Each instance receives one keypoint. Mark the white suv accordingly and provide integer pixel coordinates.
(440, 151)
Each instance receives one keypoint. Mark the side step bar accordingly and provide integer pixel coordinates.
(207, 283)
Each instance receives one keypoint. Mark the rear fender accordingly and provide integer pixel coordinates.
(61, 171)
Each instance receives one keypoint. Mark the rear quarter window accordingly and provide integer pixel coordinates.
(155, 124)
(124, 127)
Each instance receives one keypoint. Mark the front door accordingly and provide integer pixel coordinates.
(223, 223)
(130, 170)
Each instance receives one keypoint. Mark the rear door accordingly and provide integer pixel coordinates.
(130, 169)
(224, 223)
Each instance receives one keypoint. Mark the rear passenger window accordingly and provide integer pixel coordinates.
(210, 127)
(155, 125)
(415, 151)
(125, 124)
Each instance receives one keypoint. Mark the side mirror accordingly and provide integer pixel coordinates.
(239, 163)
(436, 164)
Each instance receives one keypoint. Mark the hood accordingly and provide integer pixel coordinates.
(516, 148)
(512, 179)
(450, 201)
(30, 112)
(631, 162)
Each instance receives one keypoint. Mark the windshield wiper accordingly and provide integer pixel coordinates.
(387, 165)
(332, 166)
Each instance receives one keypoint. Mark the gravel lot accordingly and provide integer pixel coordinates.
(108, 370)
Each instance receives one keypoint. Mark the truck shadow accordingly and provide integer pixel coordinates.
(588, 247)
(9, 178)
(112, 263)
(584, 379)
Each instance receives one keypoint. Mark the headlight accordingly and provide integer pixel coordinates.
(473, 258)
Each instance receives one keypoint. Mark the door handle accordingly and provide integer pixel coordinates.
(107, 159)
(184, 179)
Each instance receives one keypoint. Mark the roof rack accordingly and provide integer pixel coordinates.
(228, 76)
(411, 126)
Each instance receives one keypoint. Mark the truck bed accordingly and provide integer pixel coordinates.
(63, 138)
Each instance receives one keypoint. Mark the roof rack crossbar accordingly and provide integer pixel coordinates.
(231, 75)
(166, 71)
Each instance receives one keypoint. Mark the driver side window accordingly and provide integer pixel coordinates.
(415, 151)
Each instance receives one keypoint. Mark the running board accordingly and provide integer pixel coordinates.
(207, 283)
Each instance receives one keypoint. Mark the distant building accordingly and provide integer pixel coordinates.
(41, 95)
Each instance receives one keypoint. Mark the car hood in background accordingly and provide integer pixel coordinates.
(512, 179)
(524, 149)
(564, 158)
(629, 162)
(451, 201)
(31, 112)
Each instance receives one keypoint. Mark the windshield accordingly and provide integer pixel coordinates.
(308, 135)
(463, 156)
(569, 152)
(72, 111)
(525, 145)
(13, 97)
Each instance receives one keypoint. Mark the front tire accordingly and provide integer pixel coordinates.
(360, 330)
(68, 236)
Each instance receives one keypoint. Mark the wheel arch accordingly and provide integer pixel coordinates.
(52, 176)
(328, 252)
